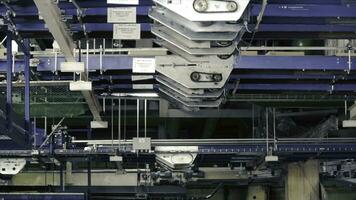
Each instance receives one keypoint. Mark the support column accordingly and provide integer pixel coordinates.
(9, 80)
(89, 176)
(27, 92)
(163, 112)
(256, 192)
(89, 134)
(303, 181)
(61, 176)
(209, 128)
(69, 167)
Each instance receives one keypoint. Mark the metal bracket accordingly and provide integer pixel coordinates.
(11, 166)
(176, 157)
(141, 144)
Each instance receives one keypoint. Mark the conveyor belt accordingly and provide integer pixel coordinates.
(197, 142)
(336, 147)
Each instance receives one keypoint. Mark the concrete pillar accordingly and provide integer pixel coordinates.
(256, 192)
(303, 181)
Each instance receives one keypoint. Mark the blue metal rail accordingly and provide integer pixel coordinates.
(123, 62)
(337, 66)
(25, 18)
(43, 196)
(297, 9)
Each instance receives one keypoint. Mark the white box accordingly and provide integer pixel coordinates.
(72, 67)
(98, 124)
(115, 158)
(271, 158)
(349, 123)
(80, 86)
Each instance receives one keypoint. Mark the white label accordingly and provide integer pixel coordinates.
(169, 1)
(122, 15)
(143, 65)
(15, 46)
(115, 158)
(127, 31)
(125, 2)
(72, 67)
(98, 124)
(142, 86)
(80, 86)
(141, 77)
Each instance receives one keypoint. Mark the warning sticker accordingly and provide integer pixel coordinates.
(122, 15)
(143, 65)
(127, 31)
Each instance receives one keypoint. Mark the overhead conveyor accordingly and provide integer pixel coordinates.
(215, 94)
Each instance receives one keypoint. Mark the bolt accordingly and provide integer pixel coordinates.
(195, 76)
(200, 5)
(231, 6)
(217, 77)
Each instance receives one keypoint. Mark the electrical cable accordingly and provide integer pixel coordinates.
(259, 20)
(212, 194)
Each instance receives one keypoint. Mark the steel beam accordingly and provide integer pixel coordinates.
(234, 77)
(298, 86)
(207, 113)
(17, 133)
(146, 27)
(43, 196)
(9, 81)
(334, 64)
(305, 10)
(26, 43)
(52, 16)
(294, 63)
(297, 9)
(7, 126)
(299, 63)
(306, 28)
(269, 64)
(53, 19)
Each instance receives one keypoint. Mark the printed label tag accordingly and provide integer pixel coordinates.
(143, 65)
(127, 31)
(122, 15)
(125, 2)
